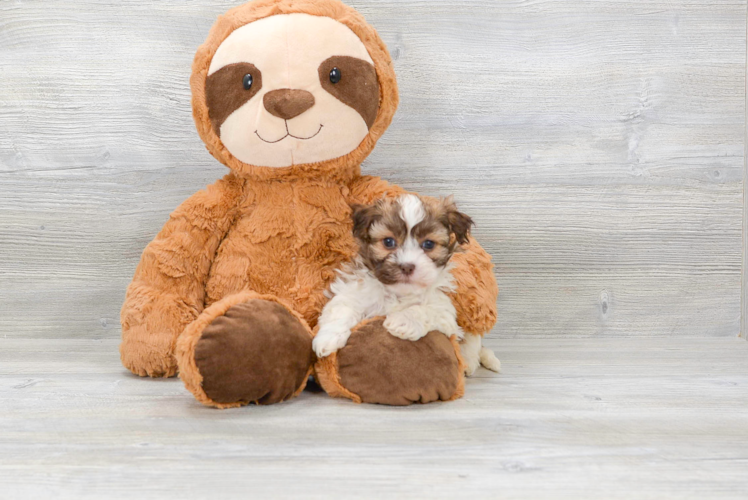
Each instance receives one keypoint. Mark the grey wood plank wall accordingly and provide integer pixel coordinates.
(598, 144)
(744, 301)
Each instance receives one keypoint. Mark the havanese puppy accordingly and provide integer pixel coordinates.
(402, 272)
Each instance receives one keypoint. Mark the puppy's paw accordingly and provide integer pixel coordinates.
(446, 324)
(489, 360)
(329, 341)
(403, 327)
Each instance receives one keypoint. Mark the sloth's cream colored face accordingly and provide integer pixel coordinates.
(292, 89)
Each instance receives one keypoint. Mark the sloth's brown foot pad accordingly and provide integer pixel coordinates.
(256, 351)
(376, 367)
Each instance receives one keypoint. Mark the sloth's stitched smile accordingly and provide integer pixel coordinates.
(289, 134)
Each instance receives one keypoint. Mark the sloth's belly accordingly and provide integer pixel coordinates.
(290, 250)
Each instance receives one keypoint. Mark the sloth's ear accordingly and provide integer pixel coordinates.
(363, 217)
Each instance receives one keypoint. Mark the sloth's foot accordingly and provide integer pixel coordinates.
(376, 367)
(251, 351)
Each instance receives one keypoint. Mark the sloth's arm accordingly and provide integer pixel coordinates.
(168, 290)
(476, 294)
(367, 189)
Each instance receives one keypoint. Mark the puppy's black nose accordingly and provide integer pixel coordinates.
(407, 269)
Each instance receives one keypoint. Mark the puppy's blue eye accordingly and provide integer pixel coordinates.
(390, 242)
(248, 80)
(428, 245)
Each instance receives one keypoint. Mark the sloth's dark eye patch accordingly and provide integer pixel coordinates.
(335, 75)
(228, 89)
(358, 90)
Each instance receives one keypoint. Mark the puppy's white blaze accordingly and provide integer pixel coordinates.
(408, 253)
(411, 210)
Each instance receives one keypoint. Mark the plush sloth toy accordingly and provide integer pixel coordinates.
(292, 96)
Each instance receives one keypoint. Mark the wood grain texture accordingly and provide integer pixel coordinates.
(744, 301)
(593, 418)
(598, 144)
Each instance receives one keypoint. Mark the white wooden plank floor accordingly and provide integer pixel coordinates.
(595, 418)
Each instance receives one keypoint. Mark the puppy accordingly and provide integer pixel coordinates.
(402, 272)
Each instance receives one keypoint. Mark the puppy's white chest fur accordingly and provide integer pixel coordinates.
(360, 284)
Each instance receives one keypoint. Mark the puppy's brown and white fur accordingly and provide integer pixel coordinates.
(402, 272)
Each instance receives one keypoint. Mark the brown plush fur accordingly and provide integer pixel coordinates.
(277, 233)
(327, 371)
(189, 372)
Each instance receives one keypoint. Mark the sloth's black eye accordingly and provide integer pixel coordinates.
(390, 242)
(335, 75)
(428, 245)
(248, 81)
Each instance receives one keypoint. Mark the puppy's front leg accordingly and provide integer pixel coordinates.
(408, 324)
(443, 319)
(335, 325)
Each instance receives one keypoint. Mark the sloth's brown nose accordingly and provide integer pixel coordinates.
(288, 103)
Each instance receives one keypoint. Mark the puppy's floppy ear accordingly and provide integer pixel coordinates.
(458, 223)
(363, 217)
